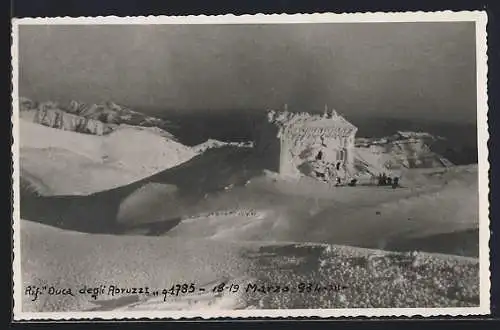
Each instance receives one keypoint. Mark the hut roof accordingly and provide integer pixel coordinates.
(288, 120)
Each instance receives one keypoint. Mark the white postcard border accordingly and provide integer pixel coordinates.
(479, 17)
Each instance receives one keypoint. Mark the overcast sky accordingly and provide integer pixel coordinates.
(424, 70)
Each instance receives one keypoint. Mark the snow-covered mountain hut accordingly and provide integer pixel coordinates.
(305, 144)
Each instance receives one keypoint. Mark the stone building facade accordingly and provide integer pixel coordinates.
(297, 144)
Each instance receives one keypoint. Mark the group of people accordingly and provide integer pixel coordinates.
(384, 180)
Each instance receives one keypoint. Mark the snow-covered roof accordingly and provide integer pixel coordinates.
(288, 120)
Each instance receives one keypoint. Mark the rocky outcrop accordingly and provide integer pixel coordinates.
(211, 143)
(96, 119)
(112, 113)
(399, 151)
(57, 118)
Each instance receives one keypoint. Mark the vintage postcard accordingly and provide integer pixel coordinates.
(319, 165)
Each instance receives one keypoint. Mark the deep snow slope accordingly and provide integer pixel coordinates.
(365, 278)
(73, 163)
(223, 179)
(67, 259)
(372, 217)
(220, 217)
(57, 171)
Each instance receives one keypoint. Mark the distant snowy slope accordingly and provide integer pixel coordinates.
(143, 151)
(57, 171)
(75, 163)
(37, 136)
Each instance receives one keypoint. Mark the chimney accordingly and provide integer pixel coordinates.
(325, 113)
(334, 113)
(286, 107)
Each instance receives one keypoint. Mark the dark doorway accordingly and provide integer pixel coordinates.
(319, 156)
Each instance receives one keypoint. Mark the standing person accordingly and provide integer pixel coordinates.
(384, 179)
(395, 183)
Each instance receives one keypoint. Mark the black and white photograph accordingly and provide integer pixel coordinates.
(244, 166)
